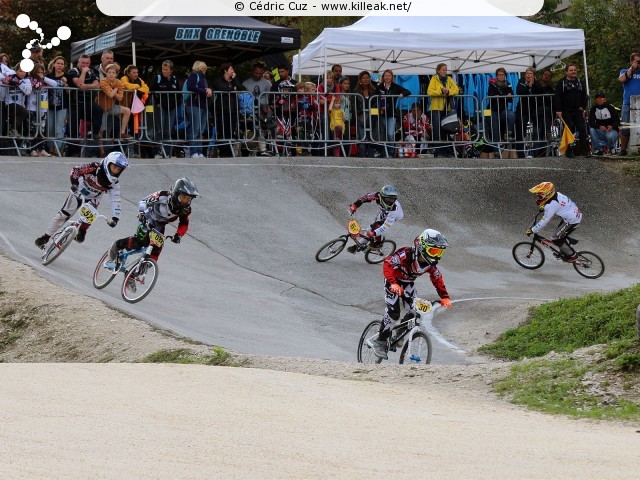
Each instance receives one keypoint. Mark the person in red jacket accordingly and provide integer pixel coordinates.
(401, 269)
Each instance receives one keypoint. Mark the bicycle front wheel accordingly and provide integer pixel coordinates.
(420, 351)
(101, 275)
(589, 265)
(58, 245)
(378, 254)
(528, 255)
(331, 249)
(139, 280)
(365, 352)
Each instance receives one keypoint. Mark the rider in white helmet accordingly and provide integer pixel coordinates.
(90, 181)
(401, 269)
(389, 213)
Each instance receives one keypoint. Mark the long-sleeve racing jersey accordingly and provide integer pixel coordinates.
(402, 267)
(385, 217)
(562, 206)
(156, 210)
(86, 177)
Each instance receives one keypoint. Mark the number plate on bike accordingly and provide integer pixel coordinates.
(354, 227)
(156, 238)
(421, 306)
(88, 214)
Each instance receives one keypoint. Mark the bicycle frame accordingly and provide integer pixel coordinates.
(547, 242)
(156, 239)
(422, 311)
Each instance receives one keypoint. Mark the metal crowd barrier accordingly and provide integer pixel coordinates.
(277, 123)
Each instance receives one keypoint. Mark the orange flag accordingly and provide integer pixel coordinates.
(567, 138)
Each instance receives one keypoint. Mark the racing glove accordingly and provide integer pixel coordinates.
(74, 188)
(113, 222)
(445, 302)
(176, 238)
(397, 289)
(529, 232)
(353, 208)
(142, 218)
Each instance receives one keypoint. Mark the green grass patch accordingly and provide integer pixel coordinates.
(219, 356)
(568, 324)
(557, 387)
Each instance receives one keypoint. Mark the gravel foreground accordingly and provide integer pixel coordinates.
(72, 406)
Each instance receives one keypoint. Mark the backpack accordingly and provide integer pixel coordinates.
(186, 93)
(245, 103)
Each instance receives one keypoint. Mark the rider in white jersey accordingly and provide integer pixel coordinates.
(557, 204)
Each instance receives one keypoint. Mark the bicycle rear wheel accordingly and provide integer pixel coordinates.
(58, 245)
(377, 255)
(528, 255)
(101, 275)
(365, 352)
(331, 249)
(420, 352)
(139, 280)
(589, 265)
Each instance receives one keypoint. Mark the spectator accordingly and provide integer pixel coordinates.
(442, 88)
(81, 105)
(603, 122)
(388, 93)
(110, 95)
(336, 121)
(630, 79)
(36, 116)
(133, 83)
(36, 55)
(415, 125)
(58, 107)
(195, 107)
(167, 102)
(344, 87)
(19, 88)
(527, 110)
(268, 76)
(502, 118)
(5, 72)
(227, 108)
(366, 91)
(283, 75)
(106, 59)
(258, 85)
(546, 109)
(570, 101)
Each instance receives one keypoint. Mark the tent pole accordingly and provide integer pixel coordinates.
(133, 52)
(586, 76)
(298, 72)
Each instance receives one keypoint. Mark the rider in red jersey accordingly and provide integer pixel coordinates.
(401, 269)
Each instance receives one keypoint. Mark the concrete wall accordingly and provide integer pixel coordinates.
(634, 141)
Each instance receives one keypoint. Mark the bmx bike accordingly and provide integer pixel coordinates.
(139, 269)
(61, 240)
(374, 252)
(530, 256)
(410, 335)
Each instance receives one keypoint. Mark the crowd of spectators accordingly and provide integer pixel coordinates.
(57, 109)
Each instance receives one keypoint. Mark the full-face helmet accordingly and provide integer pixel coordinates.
(181, 195)
(388, 196)
(544, 191)
(286, 86)
(113, 165)
(429, 246)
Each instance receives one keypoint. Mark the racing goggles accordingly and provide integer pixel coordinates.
(434, 252)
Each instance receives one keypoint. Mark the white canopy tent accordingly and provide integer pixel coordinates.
(415, 45)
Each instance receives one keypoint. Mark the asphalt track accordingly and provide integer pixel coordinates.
(245, 276)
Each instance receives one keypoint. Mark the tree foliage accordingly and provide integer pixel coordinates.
(611, 35)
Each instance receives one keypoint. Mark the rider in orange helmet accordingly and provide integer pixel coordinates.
(555, 203)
